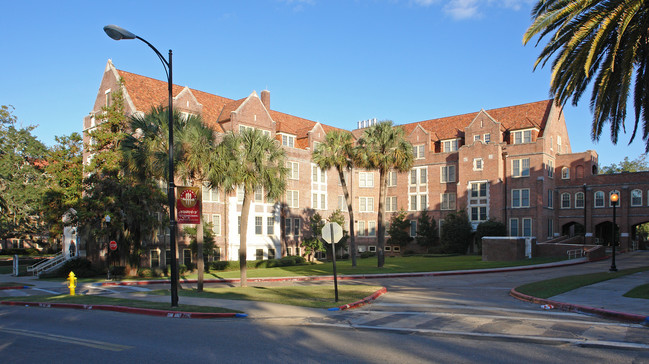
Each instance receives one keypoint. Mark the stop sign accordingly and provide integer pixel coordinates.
(113, 245)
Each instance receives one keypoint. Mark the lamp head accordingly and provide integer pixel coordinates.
(615, 197)
(118, 33)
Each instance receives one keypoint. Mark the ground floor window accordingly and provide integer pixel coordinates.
(217, 253)
(396, 248)
(259, 254)
(187, 257)
(271, 253)
(373, 248)
(168, 257)
(289, 251)
(155, 258)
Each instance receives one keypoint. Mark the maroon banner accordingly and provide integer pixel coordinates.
(188, 205)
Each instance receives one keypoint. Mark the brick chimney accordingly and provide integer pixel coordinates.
(265, 99)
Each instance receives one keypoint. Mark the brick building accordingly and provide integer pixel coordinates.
(512, 164)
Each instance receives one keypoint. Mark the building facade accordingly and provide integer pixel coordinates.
(513, 164)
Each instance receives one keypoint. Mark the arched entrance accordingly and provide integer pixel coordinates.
(604, 233)
(572, 229)
(640, 235)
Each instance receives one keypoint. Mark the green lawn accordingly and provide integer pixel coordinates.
(102, 300)
(368, 266)
(639, 292)
(306, 296)
(556, 286)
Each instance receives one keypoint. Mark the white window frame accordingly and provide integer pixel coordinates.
(636, 204)
(392, 179)
(513, 226)
(619, 200)
(293, 170)
(293, 198)
(371, 228)
(445, 175)
(259, 225)
(565, 173)
(419, 151)
(487, 138)
(519, 169)
(580, 200)
(365, 202)
(360, 227)
(595, 199)
(270, 225)
(522, 136)
(448, 201)
(366, 179)
(413, 228)
(450, 145)
(391, 204)
(478, 164)
(565, 200)
(527, 221)
(288, 140)
(216, 228)
(520, 192)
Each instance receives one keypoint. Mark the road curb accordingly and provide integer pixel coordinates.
(362, 302)
(134, 310)
(14, 287)
(622, 316)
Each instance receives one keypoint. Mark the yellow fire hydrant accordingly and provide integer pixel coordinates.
(73, 283)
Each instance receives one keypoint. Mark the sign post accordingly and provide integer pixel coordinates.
(332, 232)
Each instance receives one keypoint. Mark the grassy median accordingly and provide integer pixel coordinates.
(556, 286)
(320, 296)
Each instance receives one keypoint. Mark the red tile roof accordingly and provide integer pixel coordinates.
(531, 115)
(147, 92)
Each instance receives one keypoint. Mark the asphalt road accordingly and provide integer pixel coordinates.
(451, 319)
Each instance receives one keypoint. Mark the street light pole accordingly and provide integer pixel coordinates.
(614, 198)
(119, 33)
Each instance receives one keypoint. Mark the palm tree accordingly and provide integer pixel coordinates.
(337, 152)
(251, 160)
(147, 154)
(196, 142)
(383, 147)
(607, 41)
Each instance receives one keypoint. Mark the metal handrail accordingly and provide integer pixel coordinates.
(575, 253)
(44, 265)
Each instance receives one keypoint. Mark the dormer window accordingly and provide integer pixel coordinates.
(487, 138)
(418, 151)
(476, 137)
(245, 127)
(288, 140)
(522, 136)
(450, 145)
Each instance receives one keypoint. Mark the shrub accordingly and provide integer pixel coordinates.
(456, 232)
(182, 269)
(117, 271)
(489, 228)
(368, 254)
(82, 268)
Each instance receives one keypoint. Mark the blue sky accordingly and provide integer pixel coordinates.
(333, 61)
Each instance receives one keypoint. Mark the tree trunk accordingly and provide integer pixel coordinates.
(350, 209)
(199, 253)
(380, 223)
(245, 210)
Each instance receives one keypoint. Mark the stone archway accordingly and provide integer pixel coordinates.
(604, 233)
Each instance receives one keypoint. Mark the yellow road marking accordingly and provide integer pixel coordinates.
(68, 339)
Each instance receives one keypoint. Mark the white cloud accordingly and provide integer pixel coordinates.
(472, 9)
(462, 9)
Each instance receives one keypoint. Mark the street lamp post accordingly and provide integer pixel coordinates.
(614, 198)
(119, 33)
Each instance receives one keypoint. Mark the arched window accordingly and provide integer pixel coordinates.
(636, 198)
(565, 200)
(579, 200)
(565, 173)
(599, 199)
(619, 201)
